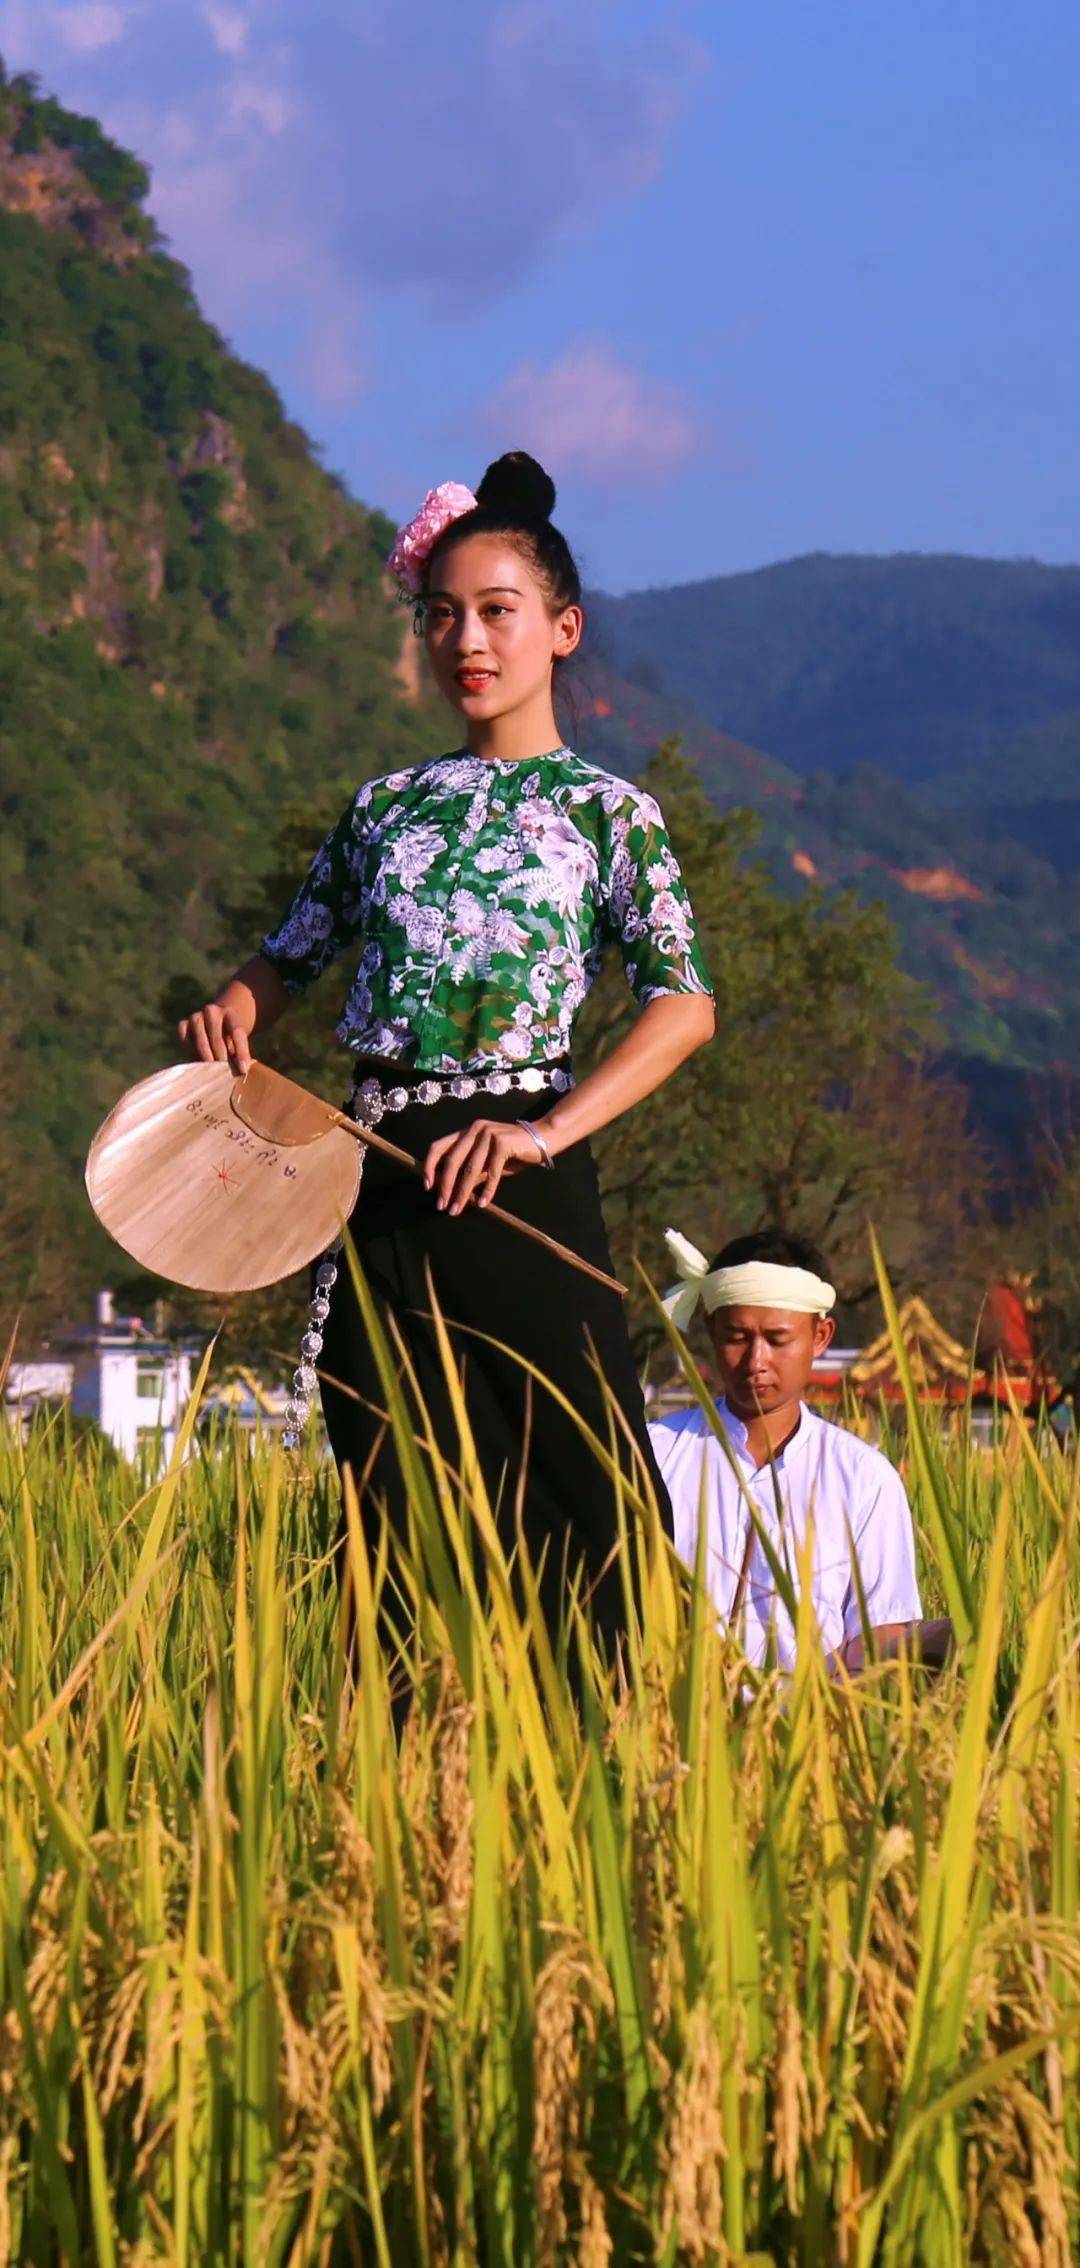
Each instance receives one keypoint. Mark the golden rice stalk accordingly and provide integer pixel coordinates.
(569, 1989)
(695, 2147)
(793, 2111)
(595, 2247)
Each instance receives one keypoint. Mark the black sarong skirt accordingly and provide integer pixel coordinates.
(494, 1285)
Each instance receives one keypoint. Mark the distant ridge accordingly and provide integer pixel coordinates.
(925, 665)
(925, 710)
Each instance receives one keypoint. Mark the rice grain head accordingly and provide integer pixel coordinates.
(569, 1988)
(693, 2199)
(595, 2246)
(793, 2110)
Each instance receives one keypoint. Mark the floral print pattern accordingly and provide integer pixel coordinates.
(484, 895)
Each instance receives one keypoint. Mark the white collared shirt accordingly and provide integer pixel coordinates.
(854, 1496)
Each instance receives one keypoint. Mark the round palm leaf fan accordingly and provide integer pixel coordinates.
(224, 1181)
(196, 1195)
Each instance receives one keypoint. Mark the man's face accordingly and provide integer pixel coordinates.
(764, 1355)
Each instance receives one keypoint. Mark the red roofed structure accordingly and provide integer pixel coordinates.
(1007, 1366)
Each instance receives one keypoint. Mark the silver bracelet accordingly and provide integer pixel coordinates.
(538, 1138)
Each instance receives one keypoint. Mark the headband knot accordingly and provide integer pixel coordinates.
(692, 1268)
(756, 1283)
(416, 540)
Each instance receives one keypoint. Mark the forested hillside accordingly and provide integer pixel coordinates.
(926, 714)
(194, 634)
(932, 668)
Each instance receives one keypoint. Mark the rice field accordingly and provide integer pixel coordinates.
(698, 1966)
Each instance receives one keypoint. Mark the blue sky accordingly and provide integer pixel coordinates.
(754, 279)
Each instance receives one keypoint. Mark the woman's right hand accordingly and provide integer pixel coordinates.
(221, 1031)
(217, 1033)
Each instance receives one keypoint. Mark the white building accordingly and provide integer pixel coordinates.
(28, 1383)
(116, 1370)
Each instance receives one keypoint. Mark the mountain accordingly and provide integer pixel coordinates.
(925, 716)
(195, 636)
(984, 902)
(933, 669)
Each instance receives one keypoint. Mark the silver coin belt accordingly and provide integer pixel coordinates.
(369, 1100)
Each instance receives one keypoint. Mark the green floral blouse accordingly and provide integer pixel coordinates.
(484, 895)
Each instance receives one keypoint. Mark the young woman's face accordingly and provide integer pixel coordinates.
(490, 633)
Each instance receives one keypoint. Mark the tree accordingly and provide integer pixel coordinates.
(815, 1108)
(32, 1222)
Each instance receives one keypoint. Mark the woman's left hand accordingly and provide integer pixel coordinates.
(468, 1167)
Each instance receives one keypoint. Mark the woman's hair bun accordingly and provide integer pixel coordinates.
(516, 483)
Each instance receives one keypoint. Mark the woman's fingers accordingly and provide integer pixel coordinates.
(500, 1162)
(215, 1024)
(435, 1156)
(447, 1156)
(515, 1151)
(470, 1165)
(196, 1037)
(459, 1165)
(212, 1036)
(236, 1041)
(462, 1173)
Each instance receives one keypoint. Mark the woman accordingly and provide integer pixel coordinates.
(484, 886)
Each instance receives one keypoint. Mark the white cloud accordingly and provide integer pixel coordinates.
(91, 25)
(490, 133)
(266, 105)
(366, 115)
(305, 151)
(229, 30)
(28, 32)
(591, 415)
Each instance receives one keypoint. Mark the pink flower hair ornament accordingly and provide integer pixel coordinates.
(415, 542)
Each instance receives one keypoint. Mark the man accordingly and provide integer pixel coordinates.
(768, 1308)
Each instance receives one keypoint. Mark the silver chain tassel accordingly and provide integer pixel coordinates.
(305, 1376)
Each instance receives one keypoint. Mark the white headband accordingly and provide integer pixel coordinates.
(757, 1283)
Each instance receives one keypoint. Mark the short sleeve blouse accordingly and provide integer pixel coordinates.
(483, 895)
